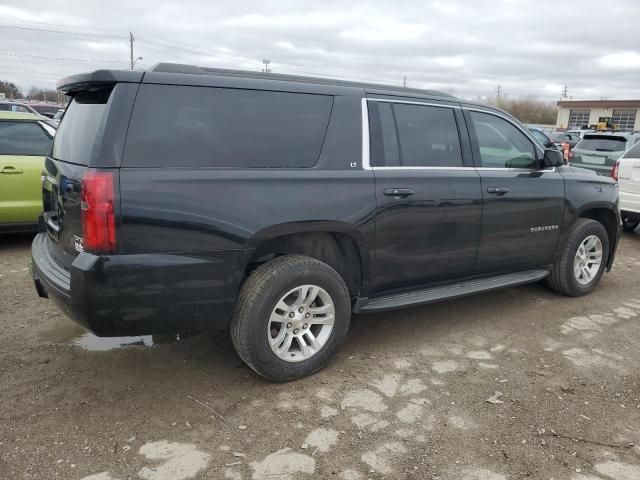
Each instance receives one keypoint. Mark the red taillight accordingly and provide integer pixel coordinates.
(98, 217)
(614, 170)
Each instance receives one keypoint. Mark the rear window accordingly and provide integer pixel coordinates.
(603, 143)
(633, 152)
(81, 128)
(23, 138)
(178, 126)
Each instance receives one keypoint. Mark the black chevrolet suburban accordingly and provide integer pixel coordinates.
(187, 198)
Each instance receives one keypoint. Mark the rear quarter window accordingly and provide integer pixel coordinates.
(23, 138)
(179, 126)
(633, 152)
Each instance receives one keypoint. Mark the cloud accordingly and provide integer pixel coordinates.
(468, 47)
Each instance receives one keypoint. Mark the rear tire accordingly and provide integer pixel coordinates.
(629, 225)
(280, 327)
(577, 272)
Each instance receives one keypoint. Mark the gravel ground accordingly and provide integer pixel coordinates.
(518, 383)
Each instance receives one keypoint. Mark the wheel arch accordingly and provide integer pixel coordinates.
(610, 218)
(341, 245)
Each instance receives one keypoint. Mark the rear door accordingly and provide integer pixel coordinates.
(428, 195)
(522, 203)
(629, 180)
(23, 146)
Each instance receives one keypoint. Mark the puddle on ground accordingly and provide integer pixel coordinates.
(63, 330)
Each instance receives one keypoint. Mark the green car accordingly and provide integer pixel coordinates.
(25, 140)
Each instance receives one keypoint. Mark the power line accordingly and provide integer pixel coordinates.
(100, 35)
(15, 19)
(59, 59)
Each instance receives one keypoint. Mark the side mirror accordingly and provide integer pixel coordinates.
(553, 158)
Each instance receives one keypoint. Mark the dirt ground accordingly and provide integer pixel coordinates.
(518, 383)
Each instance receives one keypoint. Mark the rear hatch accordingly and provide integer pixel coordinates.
(598, 152)
(76, 154)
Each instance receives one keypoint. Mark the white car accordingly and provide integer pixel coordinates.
(627, 172)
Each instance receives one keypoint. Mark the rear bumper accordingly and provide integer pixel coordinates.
(140, 294)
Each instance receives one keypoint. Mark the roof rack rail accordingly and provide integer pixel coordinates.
(164, 67)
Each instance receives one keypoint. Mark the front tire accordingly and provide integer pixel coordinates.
(629, 225)
(291, 317)
(582, 261)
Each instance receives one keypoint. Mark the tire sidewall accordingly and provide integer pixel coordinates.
(591, 228)
(264, 360)
(629, 225)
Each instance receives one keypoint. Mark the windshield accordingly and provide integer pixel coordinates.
(603, 143)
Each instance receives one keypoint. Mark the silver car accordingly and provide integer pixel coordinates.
(599, 151)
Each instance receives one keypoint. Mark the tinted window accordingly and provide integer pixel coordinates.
(383, 136)
(428, 136)
(220, 127)
(602, 143)
(502, 144)
(81, 127)
(541, 137)
(633, 152)
(23, 138)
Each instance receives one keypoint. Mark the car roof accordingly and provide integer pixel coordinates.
(195, 75)
(21, 116)
(626, 135)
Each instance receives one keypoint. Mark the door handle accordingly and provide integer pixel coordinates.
(398, 192)
(9, 170)
(498, 190)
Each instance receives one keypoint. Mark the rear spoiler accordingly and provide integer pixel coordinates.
(97, 80)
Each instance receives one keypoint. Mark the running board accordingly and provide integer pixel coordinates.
(436, 294)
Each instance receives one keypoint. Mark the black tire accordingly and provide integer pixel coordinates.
(629, 225)
(562, 278)
(257, 299)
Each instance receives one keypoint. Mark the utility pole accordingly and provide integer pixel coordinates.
(266, 68)
(131, 39)
(565, 91)
(404, 82)
(499, 91)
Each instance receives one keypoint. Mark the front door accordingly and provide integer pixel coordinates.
(428, 202)
(523, 202)
(23, 145)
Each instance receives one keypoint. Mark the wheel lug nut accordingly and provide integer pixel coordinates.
(305, 326)
(301, 309)
(291, 315)
(289, 325)
(307, 315)
(296, 331)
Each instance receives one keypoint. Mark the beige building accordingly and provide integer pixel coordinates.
(577, 113)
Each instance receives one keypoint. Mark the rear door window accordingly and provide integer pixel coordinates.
(23, 138)
(81, 128)
(428, 136)
(179, 126)
(602, 143)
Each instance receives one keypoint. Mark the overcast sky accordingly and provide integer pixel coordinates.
(463, 47)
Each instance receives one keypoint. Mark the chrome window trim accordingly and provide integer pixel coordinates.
(366, 146)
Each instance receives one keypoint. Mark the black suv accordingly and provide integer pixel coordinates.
(185, 198)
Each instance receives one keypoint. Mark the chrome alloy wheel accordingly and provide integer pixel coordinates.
(586, 263)
(301, 323)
